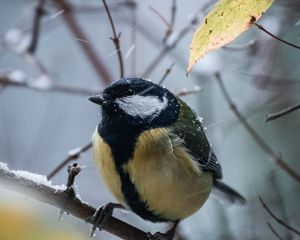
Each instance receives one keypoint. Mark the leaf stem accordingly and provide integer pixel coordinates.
(260, 27)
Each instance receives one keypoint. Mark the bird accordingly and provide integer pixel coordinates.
(152, 153)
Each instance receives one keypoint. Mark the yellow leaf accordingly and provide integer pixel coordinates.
(223, 24)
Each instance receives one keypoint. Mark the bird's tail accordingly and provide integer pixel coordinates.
(226, 194)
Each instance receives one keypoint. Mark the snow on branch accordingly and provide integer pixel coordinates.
(38, 187)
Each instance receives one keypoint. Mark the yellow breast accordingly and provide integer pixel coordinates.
(106, 167)
(166, 176)
(162, 171)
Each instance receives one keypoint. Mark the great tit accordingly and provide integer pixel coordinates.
(152, 153)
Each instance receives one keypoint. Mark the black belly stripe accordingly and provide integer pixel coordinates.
(122, 147)
(133, 199)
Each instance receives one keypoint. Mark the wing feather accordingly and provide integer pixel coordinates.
(190, 129)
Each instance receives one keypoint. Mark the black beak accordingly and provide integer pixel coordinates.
(98, 99)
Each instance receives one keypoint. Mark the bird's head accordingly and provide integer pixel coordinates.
(138, 102)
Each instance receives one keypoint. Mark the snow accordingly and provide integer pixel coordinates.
(197, 88)
(57, 14)
(74, 152)
(200, 119)
(76, 191)
(130, 50)
(17, 76)
(172, 39)
(81, 40)
(3, 166)
(35, 177)
(43, 82)
(17, 39)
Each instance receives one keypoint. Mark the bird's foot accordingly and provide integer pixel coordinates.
(160, 236)
(169, 235)
(101, 215)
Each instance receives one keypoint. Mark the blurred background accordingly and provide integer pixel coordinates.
(49, 65)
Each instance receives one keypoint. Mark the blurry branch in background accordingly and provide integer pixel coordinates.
(264, 146)
(265, 206)
(89, 7)
(72, 156)
(172, 21)
(167, 72)
(96, 61)
(115, 39)
(39, 12)
(274, 231)
(164, 20)
(7, 80)
(66, 201)
(283, 112)
(279, 196)
(171, 44)
(260, 27)
(186, 92)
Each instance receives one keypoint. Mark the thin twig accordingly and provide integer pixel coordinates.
(164, 20)
(87, 7)
(172, 21)
(186, 92)
(167, 72)
(75, 206)
(6, 81)
(115, 39)
(72, 156)
(283, 112)
(73, 171)
(88, 49)
(134, 39)
(260, 27)
(274, 231)
(265, 206)
(280, 200)
(168, 47)
(39, 12)
(264, 146)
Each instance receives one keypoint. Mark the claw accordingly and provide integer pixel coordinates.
(169, 235)
(101, 215)
(159, 236)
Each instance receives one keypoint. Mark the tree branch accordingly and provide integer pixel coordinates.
(115, 39)
(274, 231)
(283, 112)
(7, 81)
(172, 21)
(264, 146)
(167, 47)
(75, 28)
(265, 206)
(167, 72)
(74, 206)
(73, 155)
(260, 27)
(186, 92)
(39, 12)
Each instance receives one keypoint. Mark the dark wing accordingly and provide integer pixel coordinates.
(189, 128)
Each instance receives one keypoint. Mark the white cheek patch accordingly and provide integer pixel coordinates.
(142, 106)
